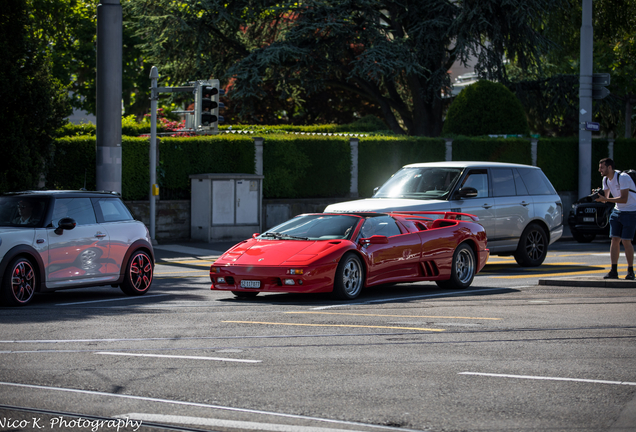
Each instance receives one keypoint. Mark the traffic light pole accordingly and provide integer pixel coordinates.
(585, 100)
(154, 97)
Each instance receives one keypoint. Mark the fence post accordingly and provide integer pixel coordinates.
(449, 149)
(353, 188)
(610, 148)
(533, 150)
(258, 156)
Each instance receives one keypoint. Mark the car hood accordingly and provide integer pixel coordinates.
(278, 252)
(387, 204)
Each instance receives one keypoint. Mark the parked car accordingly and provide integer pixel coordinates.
(51, 240)
(516, 204)
(589, 218)
(341, 254)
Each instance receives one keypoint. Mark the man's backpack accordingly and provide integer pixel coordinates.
(629, 172)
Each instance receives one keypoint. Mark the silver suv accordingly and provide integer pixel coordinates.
(516, 204)
(52, 240)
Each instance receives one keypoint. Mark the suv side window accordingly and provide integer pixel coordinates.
(536, 182)
(477, 179)
(111, 210)
(521, 188)
(80, 209)
(503, 183)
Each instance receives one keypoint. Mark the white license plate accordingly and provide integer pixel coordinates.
(588, 219)
(250, 284)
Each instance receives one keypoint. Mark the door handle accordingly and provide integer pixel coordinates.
(100, 235)
(523, 203)
(487, 206)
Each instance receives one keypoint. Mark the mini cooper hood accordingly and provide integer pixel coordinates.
(387, 204)
(277, 252)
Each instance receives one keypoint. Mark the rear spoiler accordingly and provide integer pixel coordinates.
(446, 215)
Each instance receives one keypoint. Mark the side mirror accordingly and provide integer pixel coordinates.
(466, 192)
(376, 239)
(375, 189)
(255, 235)
(66, 223)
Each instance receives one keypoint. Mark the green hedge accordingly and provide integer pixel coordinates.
(512, 150)
(306, 167)
(379, 158)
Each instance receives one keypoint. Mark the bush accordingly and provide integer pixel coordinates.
(485, 108)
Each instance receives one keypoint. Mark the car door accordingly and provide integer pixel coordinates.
(394, 261)
(513, 206)
(115, 219)
(482, 205)
(75, 256)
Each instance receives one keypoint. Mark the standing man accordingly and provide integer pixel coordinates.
(623, 218)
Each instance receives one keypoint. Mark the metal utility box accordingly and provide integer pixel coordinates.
(225, 206)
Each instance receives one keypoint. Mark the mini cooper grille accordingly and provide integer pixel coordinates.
(430, 269)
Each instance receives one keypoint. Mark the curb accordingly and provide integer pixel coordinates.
(589, 282)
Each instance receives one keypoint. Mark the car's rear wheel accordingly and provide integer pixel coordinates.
(463, 269)
(244, 294)
(349, 278)
(533, 246)
(20, 281)
(582, 237)
(138, 274)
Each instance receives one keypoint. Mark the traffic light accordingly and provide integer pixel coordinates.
(207, 105)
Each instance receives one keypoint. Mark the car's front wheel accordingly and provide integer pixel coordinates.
(533, 246)
(138, 274)
(19, 282)
(463, 269)
(349, 278)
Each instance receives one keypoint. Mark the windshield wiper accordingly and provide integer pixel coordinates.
(278, 235)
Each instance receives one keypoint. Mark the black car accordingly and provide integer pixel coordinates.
(588, 218)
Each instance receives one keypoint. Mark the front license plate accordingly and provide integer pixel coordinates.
(250, 284)
(588, 219)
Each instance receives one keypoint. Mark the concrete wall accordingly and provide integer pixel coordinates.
(172, 222)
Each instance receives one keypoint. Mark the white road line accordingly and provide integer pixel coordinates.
(179, 357)
(550, 378)
(202, 405)
(242, 425)
(116, 299)
(409, 298)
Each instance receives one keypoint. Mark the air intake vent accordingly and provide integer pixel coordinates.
(429, 268)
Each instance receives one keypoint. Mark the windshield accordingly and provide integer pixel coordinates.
(314, 227)
(420, 183)
(22, 211)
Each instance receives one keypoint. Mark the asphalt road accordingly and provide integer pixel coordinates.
(507, 354)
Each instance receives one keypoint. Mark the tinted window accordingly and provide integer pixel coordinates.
(381, 225)
(479, 181)
(503, 183)
(521, 188)
(536, 182)
(111, 210)
(80, 209)
(420, 183)
(22, 210)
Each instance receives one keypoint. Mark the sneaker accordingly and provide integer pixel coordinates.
(630, 276)
(611, 275)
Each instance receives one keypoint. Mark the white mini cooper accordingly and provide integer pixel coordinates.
(51, 240)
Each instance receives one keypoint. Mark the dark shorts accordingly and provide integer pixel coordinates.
(623, 224)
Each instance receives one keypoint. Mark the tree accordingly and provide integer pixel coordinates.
(394, 55)
(486, 108)
(33, 101)
(549, 88)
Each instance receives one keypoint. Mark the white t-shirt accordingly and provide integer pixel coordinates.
(625, 183)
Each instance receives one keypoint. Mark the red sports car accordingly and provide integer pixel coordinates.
(342, 253)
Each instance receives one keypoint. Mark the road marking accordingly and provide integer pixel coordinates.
(115, 299)
(445, 294)
(333, 325)
(233, 424)
(179, 357)
(202, 405)
(550, 378)
(398, 316)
